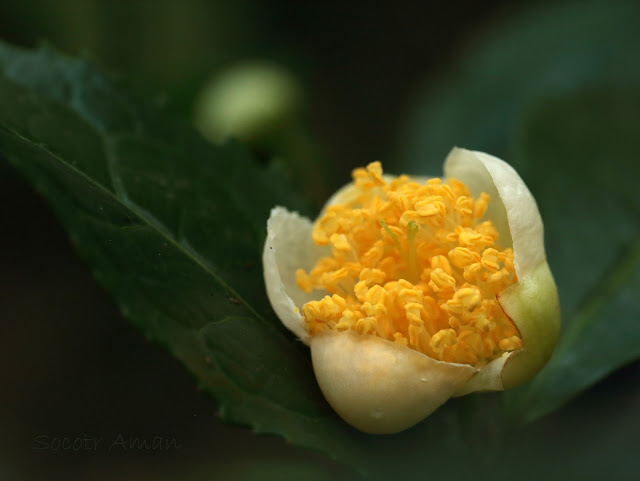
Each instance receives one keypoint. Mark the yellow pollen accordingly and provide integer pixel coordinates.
(340, 242)
(414, 264)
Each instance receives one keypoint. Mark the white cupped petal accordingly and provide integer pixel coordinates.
(489, 378)
(532, 303)
(533, 306)
(512, 208)
(379, 386)
(289, 247)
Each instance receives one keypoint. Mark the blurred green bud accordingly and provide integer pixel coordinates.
(248, 101)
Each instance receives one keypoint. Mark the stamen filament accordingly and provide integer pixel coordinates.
(414, 267)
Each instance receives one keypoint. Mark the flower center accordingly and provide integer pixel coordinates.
(413, 264)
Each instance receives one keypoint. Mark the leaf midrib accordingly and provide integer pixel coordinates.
(141, 215)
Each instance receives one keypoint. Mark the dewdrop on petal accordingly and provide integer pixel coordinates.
(412, 290)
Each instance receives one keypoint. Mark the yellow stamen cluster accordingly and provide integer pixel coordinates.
(414, 264)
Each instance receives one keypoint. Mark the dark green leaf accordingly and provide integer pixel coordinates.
(592, 438)
(548, 49)
(173, 227)
(578, 153)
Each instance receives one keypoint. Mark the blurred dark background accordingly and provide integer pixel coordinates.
(72, 366)
(359, 62)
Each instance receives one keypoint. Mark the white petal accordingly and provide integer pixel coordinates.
(533, 305)
(289, 247)
(380, 386)
(489, 378)
(512, 208)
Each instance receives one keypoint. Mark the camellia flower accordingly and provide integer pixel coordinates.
(412, 290)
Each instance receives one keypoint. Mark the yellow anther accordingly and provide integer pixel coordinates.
(376, 295)
(473, 340)
(469, 237)
(409, 216)
(389, 265)
(366, 325)
(374, 310)
(361, 178)
(310, 310)
(375, 172)
(481, 323)
(490, 259)
(372, 276)
(325, 226)
(413, 264)
(406, 295)
(489, 347)
(340, 242)
(511, 343)
(474, 272)
(332, 306)
(488, 231)
(373, 255)
(303, 281)
(353, 269)
(326, 264)
(434, 186)
(459, 188)
(348, 320)
(498, 276)
(464, 206)
(440, 280)
(416, 333)
(399, 338)
(360, 290)
(508, 260)
(432, 206)
(441, 262)
(413, 310)
(447, 193)
(463, 256)
(403, 284)
(401, 202)
(464, 301)
(443, 338)
(331, 280)
(481, 205)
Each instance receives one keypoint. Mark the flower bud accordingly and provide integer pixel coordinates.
(410, 290)
(248, 101)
